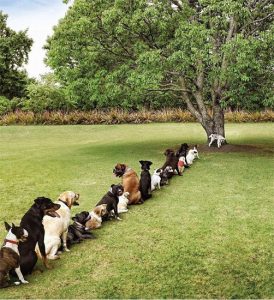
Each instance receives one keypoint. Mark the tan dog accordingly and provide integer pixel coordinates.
(130, 182)
(95, 220)
(58, 227)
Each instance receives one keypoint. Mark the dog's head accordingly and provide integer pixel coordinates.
(158, 172)
(169, 152)
(81, 217)
(117, 190)
(119, 170)
(17, 232)
(145, 164)
(100, 210)
(47, 206)
(182, 150)
(70, 198)
(126, 194)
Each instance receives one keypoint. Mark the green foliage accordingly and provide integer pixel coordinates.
(5, 105)
(14, 49)
(46, 95)
(135, 53)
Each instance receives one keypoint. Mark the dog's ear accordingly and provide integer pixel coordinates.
(12, 225)
(7, 226)
(141, 162)
(73, 218)
(112, 185)
(149, 162)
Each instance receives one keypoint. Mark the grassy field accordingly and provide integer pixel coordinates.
(207, 235)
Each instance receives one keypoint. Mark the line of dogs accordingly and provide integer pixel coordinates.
(45, 230)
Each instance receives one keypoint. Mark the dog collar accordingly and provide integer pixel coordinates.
(10, 241)
(63, 202)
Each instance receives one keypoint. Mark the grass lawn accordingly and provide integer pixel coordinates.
(209, 234)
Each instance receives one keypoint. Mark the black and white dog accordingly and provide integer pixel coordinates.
(145, 180)
(111, 199)
(9, 254)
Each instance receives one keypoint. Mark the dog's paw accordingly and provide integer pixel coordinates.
(24, 281)
(67, 250)
(119, 219)
(17, 282)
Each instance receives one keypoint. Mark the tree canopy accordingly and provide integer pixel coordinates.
(205, 54)
(14, 49)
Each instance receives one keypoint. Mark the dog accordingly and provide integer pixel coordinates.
(182, 151)
(171, 160)
(181, 164)
(9, 254)
(77, 231)
(145, 180)
(96, 214)
(167, 173)
(32, 222)
(156, 179)
(192, 154)
(111, 199)
(57, 229)
(130, 182)
(220, 139)
(123, 202)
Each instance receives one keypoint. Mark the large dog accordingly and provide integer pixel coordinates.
(32, 222)
(145, 181)
(130, 182)
(58, 227)
(9, 254)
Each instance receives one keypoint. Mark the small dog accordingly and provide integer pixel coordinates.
(9, 254)
(96, 214)
(167, 173)
(77, 231)
(220, 139)
(145, 181)
(181, 164)
(130, 182)
(171, 160)
(156, 179)
(182, 151)
(111, 198)
(192, 154)
(123, 202)
(57, 228)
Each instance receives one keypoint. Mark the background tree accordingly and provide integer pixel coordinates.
(14, 49)
(205, 54)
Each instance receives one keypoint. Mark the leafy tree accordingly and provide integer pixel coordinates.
(14, 49)
(206, 54)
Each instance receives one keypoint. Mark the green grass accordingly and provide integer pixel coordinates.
(207, 235)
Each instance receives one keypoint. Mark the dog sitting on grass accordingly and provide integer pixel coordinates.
(96, 214)
(145, 181)
(111, 199)
(9, 254)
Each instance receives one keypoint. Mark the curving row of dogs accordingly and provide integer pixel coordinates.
(45, 229)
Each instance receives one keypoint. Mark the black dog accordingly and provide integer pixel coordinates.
(182, 151)
(32, 222)
(145, 181)
(111, 198)
(171, 160)
(77, 231)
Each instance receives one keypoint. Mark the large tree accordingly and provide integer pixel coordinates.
(206, 54)
(14, 49)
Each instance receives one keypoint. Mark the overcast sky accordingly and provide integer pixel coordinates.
(39, 16)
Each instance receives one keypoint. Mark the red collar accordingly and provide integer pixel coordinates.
(10, 241)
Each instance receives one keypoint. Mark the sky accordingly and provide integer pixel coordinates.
(39, 17)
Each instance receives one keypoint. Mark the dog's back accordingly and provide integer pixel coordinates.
(145, 185)
(131, 185)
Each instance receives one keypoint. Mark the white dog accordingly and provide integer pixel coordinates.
(156, 179)
(123, 202)
(56, 228)
(220, 139)
(192, 154)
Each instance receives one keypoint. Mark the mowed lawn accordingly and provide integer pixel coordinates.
(209, 234)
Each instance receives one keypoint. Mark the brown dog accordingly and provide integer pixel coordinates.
(130, 182)
(96, 214)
